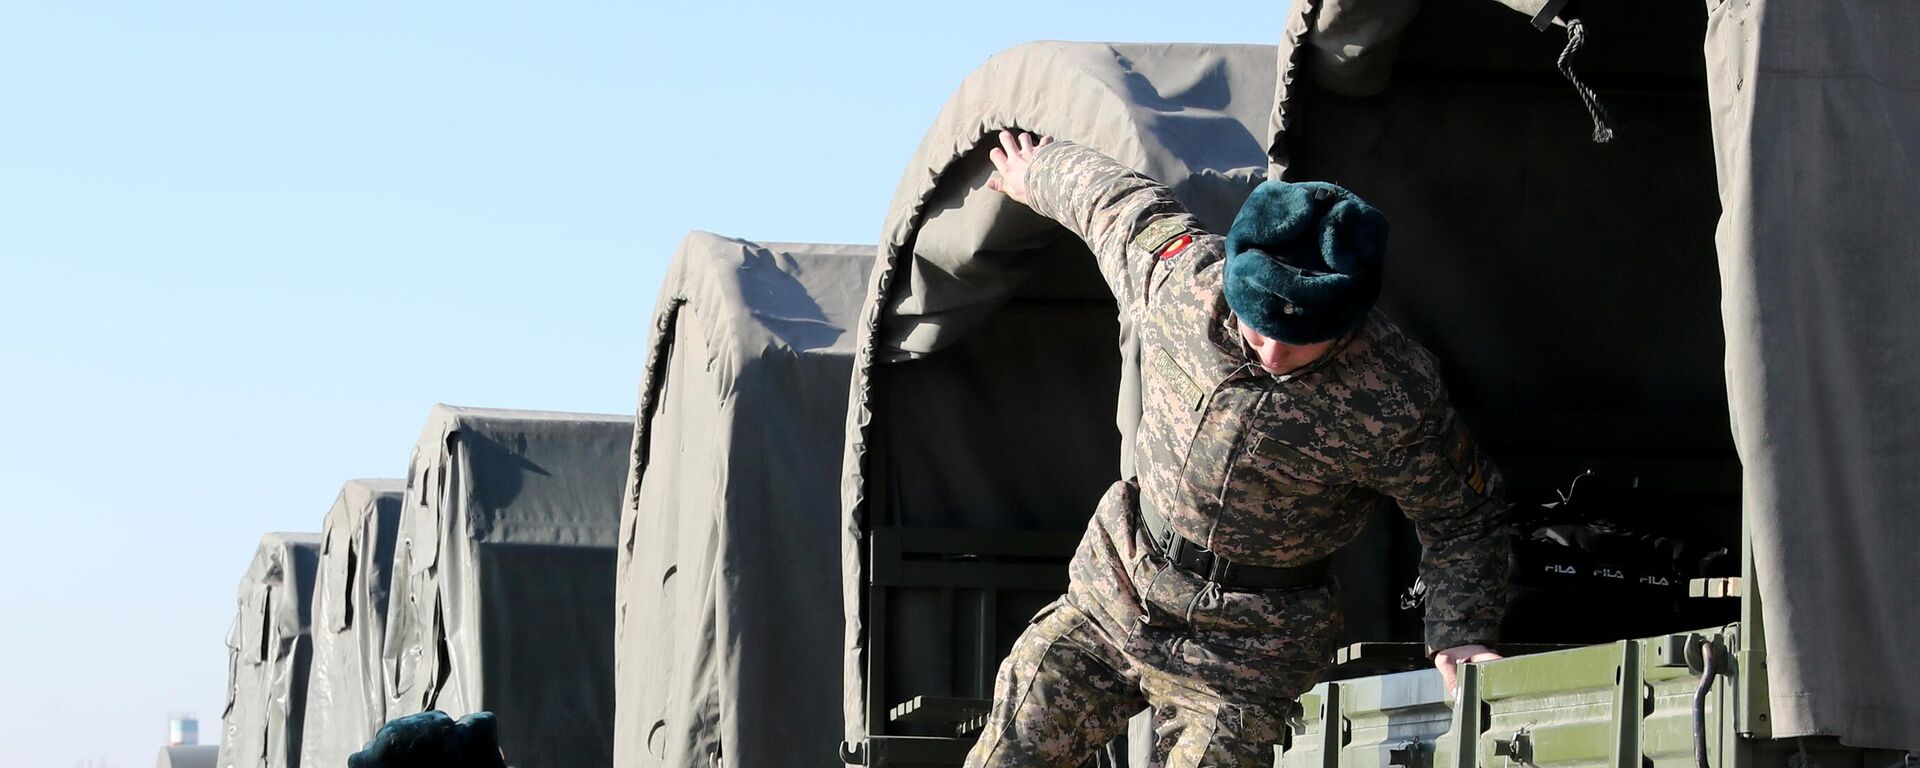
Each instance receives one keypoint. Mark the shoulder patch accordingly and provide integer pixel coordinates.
(1174, 248)
(1466, 458)
(1458, 446)
(1159, 234)
(1177, 377)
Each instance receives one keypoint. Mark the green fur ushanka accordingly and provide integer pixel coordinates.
(1304, 261)
(433, 740)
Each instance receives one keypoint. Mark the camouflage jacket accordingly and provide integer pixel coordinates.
(1271, 469)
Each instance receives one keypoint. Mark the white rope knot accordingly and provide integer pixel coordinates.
(1576, 37)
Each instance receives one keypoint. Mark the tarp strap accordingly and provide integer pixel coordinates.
(1576, 37)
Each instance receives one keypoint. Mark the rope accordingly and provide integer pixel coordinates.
(1576, 37)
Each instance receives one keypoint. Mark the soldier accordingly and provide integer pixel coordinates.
(1278, 409)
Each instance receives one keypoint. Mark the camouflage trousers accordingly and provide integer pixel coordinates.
(1219, 668)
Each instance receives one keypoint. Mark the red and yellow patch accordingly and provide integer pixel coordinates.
(1466, 458)
(1175, 246)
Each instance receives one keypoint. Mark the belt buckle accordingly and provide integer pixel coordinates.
(1196, 559)
(1211, 566)
(1220, 571)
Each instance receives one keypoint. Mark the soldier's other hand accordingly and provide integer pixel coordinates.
(1010, 162)
(1449, 661)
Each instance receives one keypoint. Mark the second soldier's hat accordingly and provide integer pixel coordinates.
(433, 740)
(1304, 261)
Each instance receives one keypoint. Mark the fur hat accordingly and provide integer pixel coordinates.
(1304, 261)
(433, 740)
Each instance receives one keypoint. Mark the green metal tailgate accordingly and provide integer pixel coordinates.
(1624, 705)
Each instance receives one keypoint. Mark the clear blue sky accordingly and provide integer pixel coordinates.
(244, 246)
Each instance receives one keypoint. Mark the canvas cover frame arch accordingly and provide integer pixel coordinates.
(990, 312)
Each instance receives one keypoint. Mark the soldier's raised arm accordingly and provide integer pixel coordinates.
(1104, 202)
(1456, 500)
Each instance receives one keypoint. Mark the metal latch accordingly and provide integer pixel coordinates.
(1517, 749)
(1406, 754)
(1681, 651)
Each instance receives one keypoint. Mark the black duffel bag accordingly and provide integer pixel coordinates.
(1606, 561)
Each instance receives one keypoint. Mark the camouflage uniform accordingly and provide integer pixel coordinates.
(1261, 469)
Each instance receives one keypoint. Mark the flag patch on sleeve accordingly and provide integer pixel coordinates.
(1174, 248)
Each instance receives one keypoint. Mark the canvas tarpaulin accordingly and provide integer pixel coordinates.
(1596, 266)
(503, 578)
(1566, 287)
(269, 651)
(1816, 117)
(730, 553)
(346, 700)
(984, 391)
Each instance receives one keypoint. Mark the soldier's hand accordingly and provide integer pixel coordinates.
(1010, 162)
(1449, 661)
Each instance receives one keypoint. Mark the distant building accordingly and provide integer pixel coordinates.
(183, 731)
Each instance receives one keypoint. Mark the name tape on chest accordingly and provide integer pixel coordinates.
(1190, 392)
(1164, 238)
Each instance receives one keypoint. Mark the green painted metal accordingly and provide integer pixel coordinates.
(1750, 656)
(1304, 747)
(1624, 705)
(1629, 707)
(1393, 719)
(1550, 673)
(1628, 704)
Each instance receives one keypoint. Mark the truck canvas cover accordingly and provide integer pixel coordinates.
(269, 651)
(503, 578)
(1749, 229)
(346, 701)
(989, 349)
(729, 543)
(1568, 288)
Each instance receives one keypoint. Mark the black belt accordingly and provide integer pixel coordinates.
(1202, 562)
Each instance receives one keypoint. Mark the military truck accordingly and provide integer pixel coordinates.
(503, 578)
(346, 693)
(726, 634)
(1675, 273)
(269, 653)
